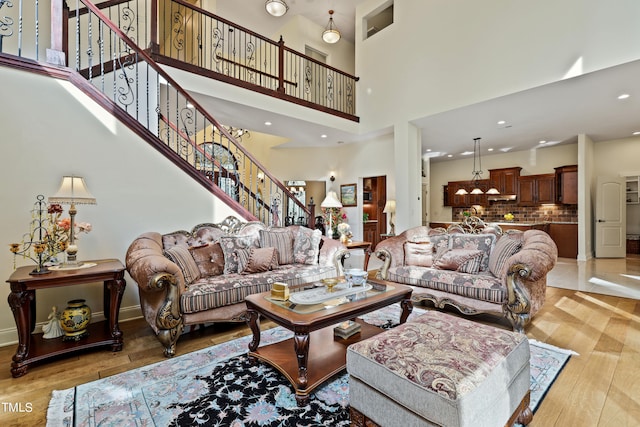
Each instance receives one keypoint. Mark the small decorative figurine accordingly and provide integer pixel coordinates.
(53, 329)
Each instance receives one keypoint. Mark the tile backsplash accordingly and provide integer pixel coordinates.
(495, 212)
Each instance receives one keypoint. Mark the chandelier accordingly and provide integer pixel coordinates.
(331, 33)
(276, 7)
(477, 173)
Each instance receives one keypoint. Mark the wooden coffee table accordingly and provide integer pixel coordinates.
(317, 355)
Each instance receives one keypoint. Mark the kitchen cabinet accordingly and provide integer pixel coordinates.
(369, 231)
(537, 189)
(457, 200)
(505, 180)
(376, 188)
(466, 200)
(565, 237)
(567, 185)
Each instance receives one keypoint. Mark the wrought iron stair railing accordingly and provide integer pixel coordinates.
(123, 72)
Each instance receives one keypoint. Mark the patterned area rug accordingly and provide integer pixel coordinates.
(218, 386)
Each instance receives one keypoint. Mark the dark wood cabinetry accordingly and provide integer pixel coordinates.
(537, 189)
(377, 220)
(466, 200)
(567, 185)
(505, 180)
(566, 238)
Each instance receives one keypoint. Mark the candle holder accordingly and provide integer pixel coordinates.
(40, 244)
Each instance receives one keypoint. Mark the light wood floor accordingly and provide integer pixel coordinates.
(600, 387)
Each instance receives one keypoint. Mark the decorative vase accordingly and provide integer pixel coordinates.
(75, 319)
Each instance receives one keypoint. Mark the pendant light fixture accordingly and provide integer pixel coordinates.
(276, 7)
(331, 33)
(477, 173)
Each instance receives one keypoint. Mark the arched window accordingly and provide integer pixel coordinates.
(226, 176)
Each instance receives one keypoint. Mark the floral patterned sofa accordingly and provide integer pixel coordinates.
(189, 278)
(473, 267)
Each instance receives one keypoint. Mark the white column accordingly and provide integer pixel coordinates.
(407, 188)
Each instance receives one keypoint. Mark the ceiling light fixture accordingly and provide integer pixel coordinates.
(331, 33)
(477, 173)
(624, 96)
(276, 7)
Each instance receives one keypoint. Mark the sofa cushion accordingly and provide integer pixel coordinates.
(306, 247)
(257, 260)
(212, 292)
(481, 286)
(209, 258)
(230, 244)
(181, 256)
(418, 254)
(506, 246)
(483, 242)
(464, 260)
(282, 241)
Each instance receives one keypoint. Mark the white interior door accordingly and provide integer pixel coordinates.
(611, 218)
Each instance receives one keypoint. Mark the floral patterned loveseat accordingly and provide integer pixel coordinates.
(473, 267)
(189, 278)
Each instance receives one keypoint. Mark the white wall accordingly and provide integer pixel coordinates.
(532, 162)
(52, 130)
(439, 55)
(620, 158)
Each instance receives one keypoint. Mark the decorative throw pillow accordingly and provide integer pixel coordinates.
(463, 260)
(418, 254)
(282, 241)
(506, 246)
(209, 258)
(440, 243)
(306, 246)
(230, 244)
(257, 260)
(181, 256)
(482, 242)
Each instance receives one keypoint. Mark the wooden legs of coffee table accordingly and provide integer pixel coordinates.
(254, 324)
(301, 346)
(407, 308)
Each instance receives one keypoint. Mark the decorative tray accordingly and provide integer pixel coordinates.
(318, 295)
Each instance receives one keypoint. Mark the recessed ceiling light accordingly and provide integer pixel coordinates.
(466, 153)
(624, 96)
(489, 149)
(501, 122)
(267, 123)
(323, 136)
(636, 132)
(449, 155)
(543, 142)
(428, 150)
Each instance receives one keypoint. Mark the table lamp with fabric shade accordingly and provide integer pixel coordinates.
(72, 191)
(390, 208)
(331, 202)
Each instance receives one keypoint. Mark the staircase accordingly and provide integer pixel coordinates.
(103, 46)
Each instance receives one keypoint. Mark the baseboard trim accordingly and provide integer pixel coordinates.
(9, 336)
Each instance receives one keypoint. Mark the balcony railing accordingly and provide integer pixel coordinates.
(231, 53)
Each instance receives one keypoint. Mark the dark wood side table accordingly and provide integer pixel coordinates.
(32, 347)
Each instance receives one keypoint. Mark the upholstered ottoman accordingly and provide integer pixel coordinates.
(440, 370)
